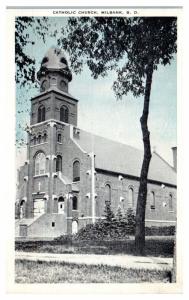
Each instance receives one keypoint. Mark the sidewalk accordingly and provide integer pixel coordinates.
(125, 261)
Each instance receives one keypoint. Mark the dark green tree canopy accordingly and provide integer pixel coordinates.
(127, 45)
(25, 63)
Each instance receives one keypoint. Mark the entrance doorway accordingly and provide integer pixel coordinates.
(39, 207)
(22, 206)
(74, 227)
(61, 205)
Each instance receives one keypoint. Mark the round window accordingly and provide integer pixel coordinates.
(63, 85)
(44, 85)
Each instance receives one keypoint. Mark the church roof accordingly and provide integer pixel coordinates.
(54, 59)
(121, 158)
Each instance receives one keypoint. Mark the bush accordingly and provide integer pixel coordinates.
(111, 228)
(117, 227)
(101, 230)
(160, 231)
(65, 239)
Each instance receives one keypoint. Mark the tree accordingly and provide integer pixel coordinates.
(119, 215)
(28, 30)
(108, 213)
(134, 47)
(130, 217)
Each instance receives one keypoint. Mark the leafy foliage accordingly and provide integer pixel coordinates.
(28, 31)
(111, 227)
(25, 63)
(125, 45)
(119, 215)
(130, 217)
(108, 213)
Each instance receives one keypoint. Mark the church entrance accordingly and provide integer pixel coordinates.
(74, 227)
(22, 205)
(39, 207)
(61, 205)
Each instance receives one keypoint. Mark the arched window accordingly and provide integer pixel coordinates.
(59, 138)
(40, 163)
(59, 163)
(64, 61)
(45, 137)
(131, 197)
(45, 60)
(41, 113)
(64, 114)
(152, 200)
(170, 202)
(76, 171)
(34, 140)
(39, 139)
(107, 192)
(61, 205)
(74, 203)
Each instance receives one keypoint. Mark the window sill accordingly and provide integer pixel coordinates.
(38, 144)
(171, 211)
(41, 175)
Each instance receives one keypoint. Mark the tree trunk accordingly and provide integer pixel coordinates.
(142, 195)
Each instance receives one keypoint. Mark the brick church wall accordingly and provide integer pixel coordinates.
(120, 188)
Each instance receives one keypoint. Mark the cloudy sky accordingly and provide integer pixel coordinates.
(101, 113)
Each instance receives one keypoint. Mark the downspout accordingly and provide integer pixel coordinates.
(93, 186)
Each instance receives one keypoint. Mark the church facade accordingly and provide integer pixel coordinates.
(70, 173)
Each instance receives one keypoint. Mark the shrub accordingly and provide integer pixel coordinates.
(64, 239)
(130, 217)
(108, 213)
(160, 230)
(111, 228)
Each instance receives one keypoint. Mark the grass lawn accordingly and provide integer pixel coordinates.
(59, 272)
(155, 246)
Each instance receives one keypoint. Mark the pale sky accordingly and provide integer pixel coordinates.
(99, 112)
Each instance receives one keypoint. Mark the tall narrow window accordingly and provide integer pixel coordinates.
(41, 113)
(170, 202)
(76, 171)
(131, 197)
(152, 200)
(40, 163)
(74, 203)
(107, 192)
(64, 114)
(61, 205)
(59, 138)
(34, 140)
(59, 163)
(45, 137)
(39, 139)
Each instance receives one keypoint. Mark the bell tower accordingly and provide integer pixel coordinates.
(53, 110)
(54, 71)
(54, 100)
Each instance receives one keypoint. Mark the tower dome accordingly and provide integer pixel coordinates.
(54, 70)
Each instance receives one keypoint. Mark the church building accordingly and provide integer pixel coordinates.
(70, 173)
